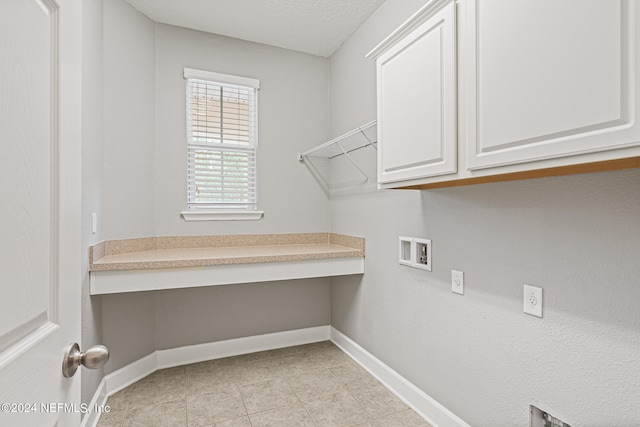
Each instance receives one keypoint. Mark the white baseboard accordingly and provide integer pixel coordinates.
(99, 399)
(161, 359)
(432, 411)
(234, 347)
(131, 373)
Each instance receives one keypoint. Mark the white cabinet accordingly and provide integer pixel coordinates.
(546, 88)
(546, 79)
(417, 112)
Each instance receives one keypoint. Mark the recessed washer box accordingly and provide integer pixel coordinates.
(423, 254)
(415, 252)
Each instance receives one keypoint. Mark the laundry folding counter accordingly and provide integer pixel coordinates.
(155, 263)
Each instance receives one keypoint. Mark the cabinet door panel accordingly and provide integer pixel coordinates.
(412, 104)
(416, 102)
(548, 79)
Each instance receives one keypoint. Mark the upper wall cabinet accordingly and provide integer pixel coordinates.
(548, 78)
(544, 88)
(416, 77)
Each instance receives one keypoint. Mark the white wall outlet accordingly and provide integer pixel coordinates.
(94, 223)
(457, 282)
(532, 300)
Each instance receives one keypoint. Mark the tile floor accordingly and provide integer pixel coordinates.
(313, 385)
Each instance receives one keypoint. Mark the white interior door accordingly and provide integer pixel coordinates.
(40, 205)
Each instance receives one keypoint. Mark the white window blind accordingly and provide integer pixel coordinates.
(222, 138)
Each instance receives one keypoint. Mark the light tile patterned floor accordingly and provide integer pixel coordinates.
(313, 385)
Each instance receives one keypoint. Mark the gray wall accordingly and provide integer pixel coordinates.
(92, 184)
(145, 179)
(292, 115)
(218, 313)
(479, 355)
(129, 122)
(128, 170)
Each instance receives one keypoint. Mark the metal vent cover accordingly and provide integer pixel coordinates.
(540, 418)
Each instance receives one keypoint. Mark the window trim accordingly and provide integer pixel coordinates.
(190, 73)
(217, 213)
(222, 215)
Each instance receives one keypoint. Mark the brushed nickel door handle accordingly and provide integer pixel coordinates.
(93, 358)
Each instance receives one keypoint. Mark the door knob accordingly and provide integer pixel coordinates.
(93, 358)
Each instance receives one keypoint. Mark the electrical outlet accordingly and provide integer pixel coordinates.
(457, 282)
(532, 300)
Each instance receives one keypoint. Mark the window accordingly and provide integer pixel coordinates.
(222, 141)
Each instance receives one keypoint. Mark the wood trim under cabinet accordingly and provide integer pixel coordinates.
(608, 165)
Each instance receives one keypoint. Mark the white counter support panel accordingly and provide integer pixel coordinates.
(110, 282)
(186, 262)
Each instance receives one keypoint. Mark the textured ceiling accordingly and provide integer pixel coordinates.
(318, 27)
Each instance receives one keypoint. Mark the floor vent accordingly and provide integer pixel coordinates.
(539, 418)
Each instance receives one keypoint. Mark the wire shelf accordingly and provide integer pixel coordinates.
(345, 144)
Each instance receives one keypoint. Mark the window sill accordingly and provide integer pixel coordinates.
(222, 215)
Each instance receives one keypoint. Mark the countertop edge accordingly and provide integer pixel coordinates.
(102, 249)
